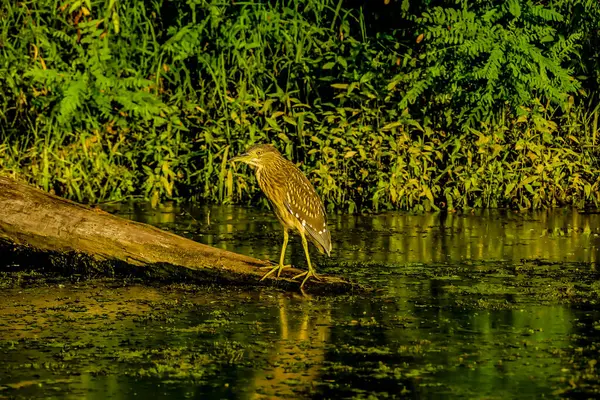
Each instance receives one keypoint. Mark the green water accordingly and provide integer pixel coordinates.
(489, 305)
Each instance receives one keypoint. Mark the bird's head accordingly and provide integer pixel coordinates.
(258, 155)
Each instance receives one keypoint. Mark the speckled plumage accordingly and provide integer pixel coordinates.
(294, 199)
(296, 202)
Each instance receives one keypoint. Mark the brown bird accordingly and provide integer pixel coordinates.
(295, 202)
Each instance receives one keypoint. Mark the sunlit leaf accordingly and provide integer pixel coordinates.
(391, 126)
(339, 85)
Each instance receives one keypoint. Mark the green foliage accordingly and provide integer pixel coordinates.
(478, 104)
(81, 116)
(505, 56)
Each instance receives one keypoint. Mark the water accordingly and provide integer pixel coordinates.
(490, 305)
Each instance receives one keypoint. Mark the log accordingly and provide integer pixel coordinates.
(43, 230)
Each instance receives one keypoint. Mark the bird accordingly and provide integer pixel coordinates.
(294, 200)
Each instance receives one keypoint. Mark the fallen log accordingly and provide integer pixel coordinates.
(38, 228)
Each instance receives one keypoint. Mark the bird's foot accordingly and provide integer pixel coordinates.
(277, 268)
(306, 275)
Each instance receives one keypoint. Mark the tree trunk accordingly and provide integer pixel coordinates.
(44, 231)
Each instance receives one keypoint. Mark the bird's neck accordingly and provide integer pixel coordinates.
(272, 173)
(258, 173)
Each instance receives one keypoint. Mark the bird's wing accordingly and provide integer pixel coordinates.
(303, 203)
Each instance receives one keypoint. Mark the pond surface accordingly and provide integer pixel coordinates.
(489, 305)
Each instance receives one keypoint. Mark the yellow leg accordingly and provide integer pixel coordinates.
(280, 267)
(311, 271)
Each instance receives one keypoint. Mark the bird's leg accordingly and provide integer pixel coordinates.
(311, 271)
(279, 267)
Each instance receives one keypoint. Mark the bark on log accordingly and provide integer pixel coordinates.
(49, 227)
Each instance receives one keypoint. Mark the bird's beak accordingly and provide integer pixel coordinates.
(241, 158)
(245, 158)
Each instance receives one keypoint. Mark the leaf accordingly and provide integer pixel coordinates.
(339, 85)
(284, 137)
(395, 81)
(116, 21)
(514, 8)
(352, 86)
(528, 180)
(391, 126)
(235, 117)
(166, 185)
(428, 194)
(366, 77)
(272, 123)
(155, 198)
(289, 120)
(509, 189)
(229, 184)
(267, 105)
(573, 138)
(76, 4)
(349, 154)
(329, 65)
(530, 189)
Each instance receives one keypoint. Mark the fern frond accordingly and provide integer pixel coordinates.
(73, 98)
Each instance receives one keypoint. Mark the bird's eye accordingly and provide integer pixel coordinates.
(258, 152)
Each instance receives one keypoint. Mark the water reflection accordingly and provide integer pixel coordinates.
(393, 238)
(296, 355)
